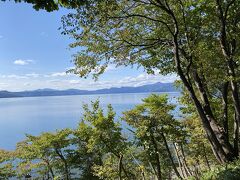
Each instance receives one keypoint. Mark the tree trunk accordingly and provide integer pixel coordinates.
(219, 131)
(228, 51)
(235, 97)
(216, 136)
(236, 136)
(49, 168)
(225, 108)
(170, 156)
(159, 174)
(154, 170)
(212, 133)
(120, 167)
(143, 175)
(66, 170)
(205, 156)
(198, 168)
(184, 161)
(179, 161)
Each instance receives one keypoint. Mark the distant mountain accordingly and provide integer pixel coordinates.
(51, 92)
(7, 94)
(157, 87)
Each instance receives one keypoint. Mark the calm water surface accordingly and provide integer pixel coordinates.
(34, 115)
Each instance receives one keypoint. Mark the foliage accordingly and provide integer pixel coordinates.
(157, 146)
(198, 40)
(104, 138)
(6, 164)
(47, 154)
(223, 172)
(198, 147)
(153, 126)
(52, 5)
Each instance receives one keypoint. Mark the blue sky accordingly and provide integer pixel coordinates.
(34, 54)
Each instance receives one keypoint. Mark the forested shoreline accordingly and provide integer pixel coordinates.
(196, 40)
(154, 145)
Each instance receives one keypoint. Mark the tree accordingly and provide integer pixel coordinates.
(198, 40)
(83, 159)
(52, 5)
(198, 153)
(104, 138)
(6, 161)
(155, 129)
(47, 154)
(158, 146)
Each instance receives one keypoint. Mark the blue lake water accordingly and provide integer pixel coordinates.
(34, 115)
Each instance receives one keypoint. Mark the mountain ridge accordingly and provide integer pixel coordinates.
(156, 87)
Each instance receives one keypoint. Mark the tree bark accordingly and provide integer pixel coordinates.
(143, 175)
(212, 133)
(66, 170)
(236, 137)
(184, 160)
(228, 54)
(225, 108)
(179, 161)
(49, 168)
(120, 167)
(219, 131)
(170, 156)
(205, 156)
(159, 174)
(208, 124)
(222, 149)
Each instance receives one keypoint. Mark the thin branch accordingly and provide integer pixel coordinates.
(227, 8)
(143, 16)
(141, 45)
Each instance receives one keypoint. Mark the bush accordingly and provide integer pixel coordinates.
(229, 171)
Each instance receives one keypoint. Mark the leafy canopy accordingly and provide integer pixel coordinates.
(52, 5)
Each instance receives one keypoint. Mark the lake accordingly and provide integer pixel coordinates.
(33, 115)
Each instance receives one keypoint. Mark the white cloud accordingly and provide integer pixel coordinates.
(33, 75)
(16, 76)
(3, 86)
(56, 74)
(13, 76)
(141, 79)
(22, 62)
(1, 36)
(145, 78)
(27, 84)
(74, 81)
(59, 80)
